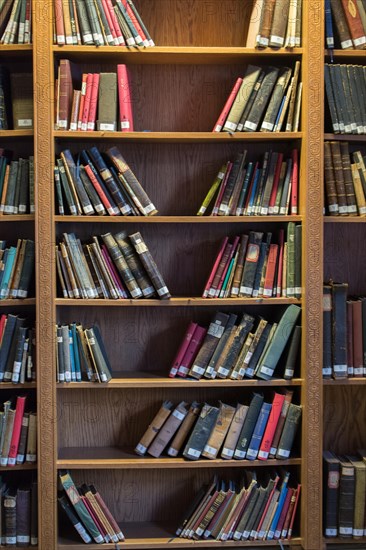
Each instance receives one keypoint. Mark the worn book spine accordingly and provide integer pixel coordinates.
(254, 117)
(168, 430)
(122, 266)
(250, 265)
(354, 21)
(331, 476)
(150, 266)
(248, 426)
(154, 427)
(233, 433)
(217, 436)
(107, 103)
(279, 23)
(289, 431)
(95, 344)
(221, 348)
(268, 435)
(192, 350)
(274, 104)
(346, 498)
(339, 179)
(201, 432)
(23, 516)
(266, 23)
(360, 497)
(339, 335)
(10, 518)
(212, 338)
(330, 183)
(184, 429)
(229, 355)
(241, 98)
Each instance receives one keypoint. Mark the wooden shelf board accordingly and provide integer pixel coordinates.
(352, 381)
(15, 133)
(17, 218)
(92, 458)
(346, 53)
(16, 48)
(177, 219)
(174, 55)
(176, 302)
(18, 467)
(345, 137)
(344, 541)
(179, 137)
(344, 219)
(11, 386)
(152, 380)
(144, 535)
(18, 302)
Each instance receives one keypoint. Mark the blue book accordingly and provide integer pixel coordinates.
(76, 352)
(72, 357)
(4, 289)
(260, 426)
(281, 502)
(4, 262)
(244, 189)
(257, 177)
(329, 35)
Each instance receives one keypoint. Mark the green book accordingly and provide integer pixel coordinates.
(27, 270)
(201, 432)
(290, 291)
(289, 430)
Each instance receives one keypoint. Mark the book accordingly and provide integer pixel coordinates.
(201, 432)
(154, 427)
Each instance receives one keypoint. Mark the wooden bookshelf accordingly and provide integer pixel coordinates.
(184, 81)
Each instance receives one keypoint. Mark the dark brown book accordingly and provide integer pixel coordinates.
(348, 181)
(340, 20)
(218, 434)
(355, 25)
(10, 518)
(154, 427)
(65, 95)
(34, 513)
(22, 100)
(250, 265)
(346, 498)
(228, 360)
(23, 516)
(330, 184)
(339, 329)
(212, 338)
(279, 23)
(357, 343)
(122, 266)
(184, 429)
(266, 23)
(201, 432)
(331, 493)
(339, 179)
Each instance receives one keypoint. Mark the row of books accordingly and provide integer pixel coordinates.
(16, 269)
(18, 433)
(120, 267)
(86, 510)
(348, 18)
(101, 101)
(240, 432)
(81, 355)
(255, 188)
(19, 513)
(17, 350)
(344, 333)
(256, 508)
(275, 24)
(345, 180)
(16, 22)
(253, 347)
(253, 266)
(99, 23)
(97, 183)
(16, 100)
(261, 101)
(16, 184)
(345, 87)
(344, 495)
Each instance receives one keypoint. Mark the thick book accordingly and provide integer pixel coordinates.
(289, 431)
(258, 432)
(150, 265)
(168, 430)
(218, 434)
(360, 496)
(201, 432)
(346, 497)
(154, 427)
(254, 117)
(248, 426)
(269, 432)
(339, 333)
(210, 342)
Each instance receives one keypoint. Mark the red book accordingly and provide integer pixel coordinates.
(14, 444)
(82, 99)
(214, 269)
(270, 271)
(59, 22)
(222, 189)
(276, 180)
(141, 35)
(113, 272)
(274, 416)
(92, 115)
(283, 514)
(2, 326)
(219, 271)
(107, 13)
(94, 516)
(107, 205)
(221, 120)
(192, 351)
(281, 240)
(182, 349)
(294, 181)
(294, 511)
(87, 101)
(124, 99)
(121, 40)
(231, 255)
(354, 21)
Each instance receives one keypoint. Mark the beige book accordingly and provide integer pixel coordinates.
(255, 20)
(286, 103)
(31, 453)
(72, 278)
(184, 429)
(238, 371)
(358, 160)
(14, 283)
(360, 497)
(7, 437)
(290, 40)
(293, 97)
(295, 125)
(154, 427)
(107, 102)
(67, 22)
(360, 197)
(279, 24)
(219, 432)
(241, 99)
(100, 515)
(234, 431)
(298, 24)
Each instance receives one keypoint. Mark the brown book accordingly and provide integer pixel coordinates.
(23, 439)
(291, 108)
(339, 179)
(184, 429)
(233, 433)
(355, 25)
(266, 23)
(213, 335)
(23, 517)
(31, 452)
(360, 497)
(150, 265)
(360, 196)
(65, 94)
(348, 181)
(279, 23)
(154, 427)
(67, 22)
(22, 100)
(219, 431)
(357, 338)
(168, 430)
(340, 20)
(10, 518)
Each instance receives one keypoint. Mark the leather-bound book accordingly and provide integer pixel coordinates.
(22, 100)
(339, 329)
(360, 496)
(23, 439)
(184, 429)
(281, 422)
(150, 266)
(168, 430)
(261, 339)
(355, 25)
(339, 178)
(265, 445)
(182, 349)
(229, 356)
(275, 101)
(248, 426)
(10, 518)
(242, 97)
(219, 431)
(192, 350)
(23, 517)
(98, 353)
(210, 342)
(330, 184)
(279, 24)
(211, 370)
(154, 427)
(122, 266)
(327, 332)
(357, 343)
(250, 266)
(346, 498)
(31, 453)
(266, 23)
(293, 352)
(254, 23)
(254, 117)
(289, 431)
(201, 432)
(230, 184)
(233, 433)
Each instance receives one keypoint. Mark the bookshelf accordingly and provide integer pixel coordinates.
(183, 83)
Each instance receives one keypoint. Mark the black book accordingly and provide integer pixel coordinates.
(201, 432)
(331, 100)
(251, 101)
(292, 353)
(250, 265)
(346, 498)
(339, 329)
(255, 115)
(327, 332)
(248, 426)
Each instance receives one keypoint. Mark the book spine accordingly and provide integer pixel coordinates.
(221, 120)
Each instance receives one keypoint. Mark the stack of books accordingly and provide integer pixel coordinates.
(17, 350)
(345, 180)
(16, 22)
(256, 432)
(262, 100)
(253, 266)
(99, 23)
(16, 269)
(19, 512)
(90, 101)
(345, 89)
(345, 495)
(253, 509)
(275, 24)
(112, 266)
(257, 188)
(229, 350)
(81, 354)
(16, 184)
(344, 333)
(348, 18)
(99, 184)
(16, 100)
(18, 433)
(86, 510)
